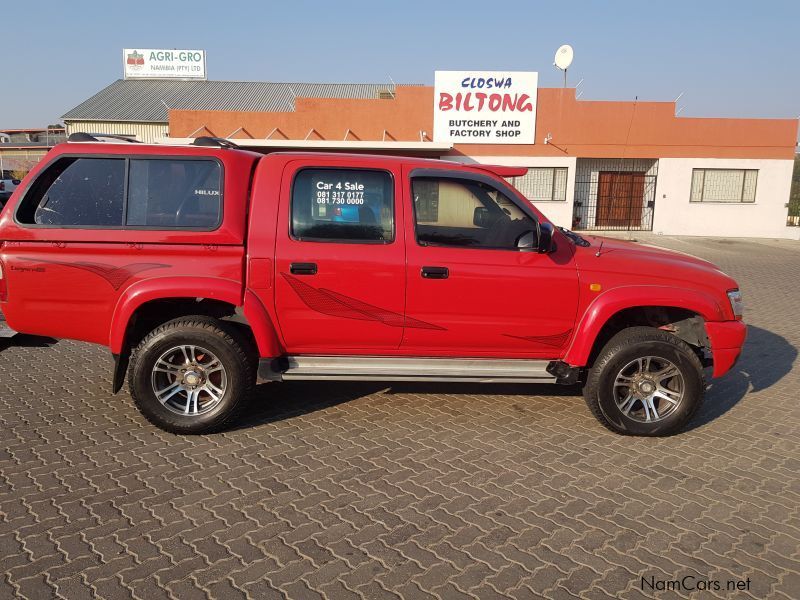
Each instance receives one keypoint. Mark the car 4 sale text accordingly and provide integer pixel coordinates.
(340, 193)
(335, 194)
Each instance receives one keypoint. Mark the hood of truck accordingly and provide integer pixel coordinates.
(630, 263)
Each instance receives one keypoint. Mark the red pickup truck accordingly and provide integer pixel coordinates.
(207, 268)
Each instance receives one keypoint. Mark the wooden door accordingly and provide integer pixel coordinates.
(620, 198)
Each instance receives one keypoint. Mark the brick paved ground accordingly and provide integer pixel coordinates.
(364, 491)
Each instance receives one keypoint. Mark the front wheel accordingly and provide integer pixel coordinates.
(645, 382)
(191, 375)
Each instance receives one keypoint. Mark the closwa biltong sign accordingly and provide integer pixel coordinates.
(485, 107)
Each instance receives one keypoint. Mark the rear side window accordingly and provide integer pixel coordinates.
(75, 192)
(160, 193)
(346, 205)
(166, 193)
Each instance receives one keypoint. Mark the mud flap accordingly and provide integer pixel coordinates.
(120, 370)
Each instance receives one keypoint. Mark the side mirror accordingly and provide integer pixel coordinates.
(545, 238)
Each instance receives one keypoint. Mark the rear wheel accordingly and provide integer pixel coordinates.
(191, 375)
(645, 382)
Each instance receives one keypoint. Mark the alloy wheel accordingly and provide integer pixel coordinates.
(649, 389)
(189, 380)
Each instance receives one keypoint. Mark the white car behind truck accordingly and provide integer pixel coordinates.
(7, 186)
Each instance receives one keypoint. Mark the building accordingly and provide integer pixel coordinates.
(21, 149)
(140, 107)
(594, 165)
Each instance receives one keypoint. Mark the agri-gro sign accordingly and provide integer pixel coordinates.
(150, 63)
(485, 107)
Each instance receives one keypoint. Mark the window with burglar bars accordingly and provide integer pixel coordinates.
(542, 184)
(724, 185)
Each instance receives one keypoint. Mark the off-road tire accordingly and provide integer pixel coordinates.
(220, 338)
(628, 345)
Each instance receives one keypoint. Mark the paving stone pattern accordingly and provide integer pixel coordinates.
(413, 491)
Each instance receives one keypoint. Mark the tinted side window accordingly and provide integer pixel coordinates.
(348, 205)
(456, 212)
(167, 193)
(76, 192)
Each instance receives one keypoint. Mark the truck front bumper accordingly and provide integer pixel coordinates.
(726, 339)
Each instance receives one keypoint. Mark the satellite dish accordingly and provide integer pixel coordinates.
(564, 57)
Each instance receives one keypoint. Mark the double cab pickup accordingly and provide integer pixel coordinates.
(207, 268)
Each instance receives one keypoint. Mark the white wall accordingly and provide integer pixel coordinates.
(145, 132)
(559, 212)
(766, 217)
(674, 214)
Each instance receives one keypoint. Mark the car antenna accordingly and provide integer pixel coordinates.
(600, 249)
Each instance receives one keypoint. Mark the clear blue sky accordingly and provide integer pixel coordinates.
(729, 58)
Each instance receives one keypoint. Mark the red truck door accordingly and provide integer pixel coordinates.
(467, 276)
(340, 257)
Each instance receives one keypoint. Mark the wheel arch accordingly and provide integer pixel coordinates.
(637, 305)
(165, 289)
(155, 301)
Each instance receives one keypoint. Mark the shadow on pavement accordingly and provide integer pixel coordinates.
(277, 401)
(766, 359)
(22, 340)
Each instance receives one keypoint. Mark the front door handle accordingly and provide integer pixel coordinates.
(435, 272)
(303, 268)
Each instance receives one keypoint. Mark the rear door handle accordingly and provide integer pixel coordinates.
(303, 268)
(435, 272)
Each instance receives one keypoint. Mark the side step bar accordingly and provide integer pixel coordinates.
(374, 368)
